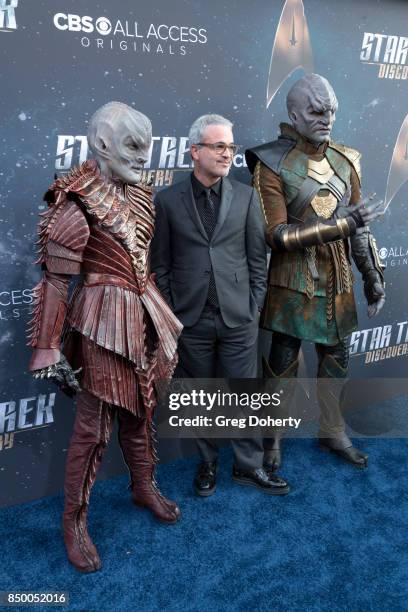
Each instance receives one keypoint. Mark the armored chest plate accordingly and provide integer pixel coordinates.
(320, 171)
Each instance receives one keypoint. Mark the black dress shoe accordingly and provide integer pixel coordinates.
(205, 480)
(259, 478)
(344, 448)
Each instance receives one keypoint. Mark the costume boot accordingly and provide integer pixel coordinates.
(137, 444)
(273, 445)
(332, 435)
(92, 428)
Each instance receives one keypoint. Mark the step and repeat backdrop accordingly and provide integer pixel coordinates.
(174, 61)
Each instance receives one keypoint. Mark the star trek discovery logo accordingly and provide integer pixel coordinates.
(125, 35)
(26, 413)
(389, 53)
(8, 16)
(380, 343)
(168, 154)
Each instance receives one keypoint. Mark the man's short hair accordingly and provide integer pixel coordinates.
(195, 134)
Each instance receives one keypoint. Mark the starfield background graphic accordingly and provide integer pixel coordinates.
(175, 61)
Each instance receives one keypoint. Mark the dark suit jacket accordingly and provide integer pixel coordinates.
(182, 255)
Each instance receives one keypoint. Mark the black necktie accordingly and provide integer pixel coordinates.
(210, 221)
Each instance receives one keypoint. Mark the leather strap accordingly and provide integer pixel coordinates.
(93, 278)
(311, 264)
(306, 193)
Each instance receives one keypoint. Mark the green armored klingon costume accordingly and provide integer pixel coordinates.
(309, 188)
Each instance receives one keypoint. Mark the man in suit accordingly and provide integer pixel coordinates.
(209, 257)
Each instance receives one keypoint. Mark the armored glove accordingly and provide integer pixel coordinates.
(365, 254)
(62, 374)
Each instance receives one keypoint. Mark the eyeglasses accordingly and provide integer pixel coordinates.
(220, 147)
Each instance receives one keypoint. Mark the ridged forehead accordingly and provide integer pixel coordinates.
(321, 93)
(315, 90)
(121, 119)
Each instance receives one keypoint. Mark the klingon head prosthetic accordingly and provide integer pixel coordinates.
(120, 138)
(312, 106)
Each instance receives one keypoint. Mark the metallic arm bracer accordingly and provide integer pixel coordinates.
(296, 236)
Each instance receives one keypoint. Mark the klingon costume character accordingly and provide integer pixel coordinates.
(309, 188)
(117, 329)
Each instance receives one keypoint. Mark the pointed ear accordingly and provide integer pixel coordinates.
(293, 116)
(101, 147)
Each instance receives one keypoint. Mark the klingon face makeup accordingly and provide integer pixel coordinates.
(120, 138)
(312, 106)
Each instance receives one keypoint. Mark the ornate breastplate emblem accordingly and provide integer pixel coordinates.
(324, 206)
(325, 202)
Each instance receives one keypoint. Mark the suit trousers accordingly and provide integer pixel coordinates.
(210, 349)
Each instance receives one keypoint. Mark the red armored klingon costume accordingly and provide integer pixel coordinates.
(117, 328)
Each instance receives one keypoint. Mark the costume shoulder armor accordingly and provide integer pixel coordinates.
(352, 155)
(272, 154)
(62, 228)
(78, 178)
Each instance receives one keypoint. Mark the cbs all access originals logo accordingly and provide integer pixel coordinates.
(387, 52)
(14, 303)
(394, 256)
(129, 35)
(28, 413)
(8, 21)
(380, 343)
(168, 154)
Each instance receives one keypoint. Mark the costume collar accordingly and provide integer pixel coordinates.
(123, 211)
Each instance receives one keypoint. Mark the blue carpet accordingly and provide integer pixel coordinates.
(337, 542)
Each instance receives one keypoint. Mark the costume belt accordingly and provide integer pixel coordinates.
(93, 278)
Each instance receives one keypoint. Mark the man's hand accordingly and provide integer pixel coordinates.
(63, 375)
